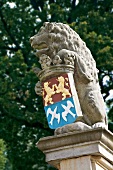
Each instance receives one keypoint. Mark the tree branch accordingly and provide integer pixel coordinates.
(23, 121)
(51, 1)
(73, 4)
(9, 48)
(37, 3)
(6, 27)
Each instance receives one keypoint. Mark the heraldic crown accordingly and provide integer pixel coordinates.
(54, 67)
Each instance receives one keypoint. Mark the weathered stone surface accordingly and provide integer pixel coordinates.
(58, 45)
(74, 127)
(95, 142)
(99, 163)
(86, 163)
(82, 163)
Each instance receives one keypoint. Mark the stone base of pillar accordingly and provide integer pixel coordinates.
(86, 150)
(86, 163)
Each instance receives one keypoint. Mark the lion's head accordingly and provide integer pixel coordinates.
(53, 37)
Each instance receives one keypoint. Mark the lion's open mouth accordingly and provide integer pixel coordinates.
(40, 46)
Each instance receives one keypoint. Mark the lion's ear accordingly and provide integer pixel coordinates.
(45, 24)
(49, 26)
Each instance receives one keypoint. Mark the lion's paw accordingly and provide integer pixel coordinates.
(74, 127)
(99, 124)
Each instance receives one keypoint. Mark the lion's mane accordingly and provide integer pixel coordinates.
(63, 37)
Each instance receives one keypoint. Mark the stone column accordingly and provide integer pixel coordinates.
(85, 150)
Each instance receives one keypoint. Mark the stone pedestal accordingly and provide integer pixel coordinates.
(86, 150)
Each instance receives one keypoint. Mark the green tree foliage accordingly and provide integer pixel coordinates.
(22, 118)
(2, 155)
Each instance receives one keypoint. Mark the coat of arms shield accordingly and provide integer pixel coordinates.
(61, 101)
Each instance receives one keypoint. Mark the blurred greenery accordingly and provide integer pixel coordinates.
(2, 154)
(22, 118)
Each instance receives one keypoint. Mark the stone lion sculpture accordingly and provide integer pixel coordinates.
(59, 41)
